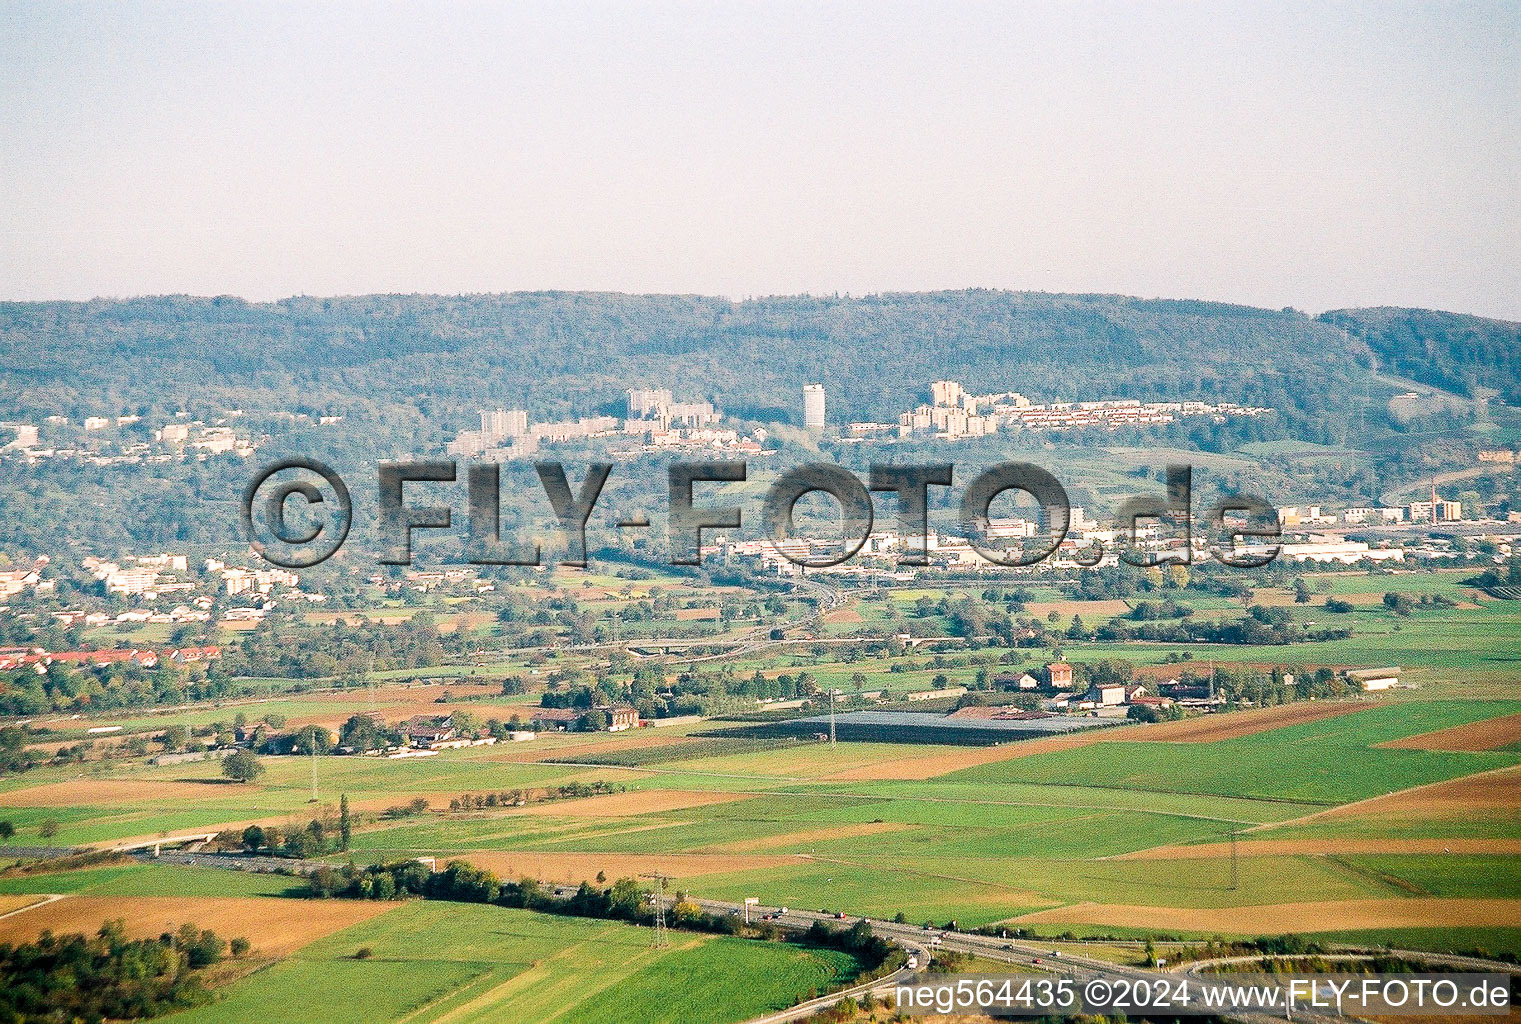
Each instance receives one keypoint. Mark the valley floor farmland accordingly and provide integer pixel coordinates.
(430, 963)
(1390, 817)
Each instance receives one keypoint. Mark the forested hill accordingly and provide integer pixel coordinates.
(1446, 350)
(560, 353)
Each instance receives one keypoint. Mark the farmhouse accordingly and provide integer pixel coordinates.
(189, 655)
(147, 659)
(621, 718)
(1059, 674)
(1106, 695)
(550, 719)
(1370, 679)
(1009, 681)
(428, 732)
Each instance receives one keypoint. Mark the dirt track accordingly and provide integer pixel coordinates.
(12, 903)
(276, 927)
(1323, 847)
(1487, 792)
(1292, 917)
(1489, 734)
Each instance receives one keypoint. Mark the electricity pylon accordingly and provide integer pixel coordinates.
(662, 940)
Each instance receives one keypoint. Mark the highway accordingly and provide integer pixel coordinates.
(922, 944)
(1023, 957)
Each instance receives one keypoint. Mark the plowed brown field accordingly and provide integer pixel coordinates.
(1490, 734)
(275, 926)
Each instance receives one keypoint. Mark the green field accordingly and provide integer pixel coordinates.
(152, 880)
(849, 827)
(471, 963)
(1330, 761)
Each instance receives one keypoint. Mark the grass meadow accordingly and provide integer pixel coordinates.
(469, 963)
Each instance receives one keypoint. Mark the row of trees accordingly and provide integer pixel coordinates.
(107, 976)
(623, 900)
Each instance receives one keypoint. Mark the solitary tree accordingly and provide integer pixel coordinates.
(48, 829)
(7, 830)
(253, 837)
(241, 766)
(345, 824)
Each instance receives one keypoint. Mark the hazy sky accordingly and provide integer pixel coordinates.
(1314, 155)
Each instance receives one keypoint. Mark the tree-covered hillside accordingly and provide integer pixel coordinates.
(573, 353)
(406, 373)
(1446, 350)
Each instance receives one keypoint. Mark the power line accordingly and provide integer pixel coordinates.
(662, 939)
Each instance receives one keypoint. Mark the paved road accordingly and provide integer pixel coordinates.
(1025, 957)
(921, 943)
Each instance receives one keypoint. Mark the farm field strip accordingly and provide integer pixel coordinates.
(276, 927)
(1330, 761)
(462, 964)
(1489, 734)
(1326, 847)
(1271, 919)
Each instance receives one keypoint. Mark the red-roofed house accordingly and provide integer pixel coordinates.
(188, 655)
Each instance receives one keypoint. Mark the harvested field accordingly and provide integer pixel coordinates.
(615, 805)
(843, 616)
(1490, 734)
(1485, 792)
(1211, 728)
(9, 904)
(696, 614)
(812, 835)
(276, 927)
(621, 805)
(1326, 847)
(1292, 917)
(89, 792)
(579, 867)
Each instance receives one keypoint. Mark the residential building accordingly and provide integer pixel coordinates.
(813, 406)
(428, 731)
(1371, 679)
(647, 403)
(551, 719)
